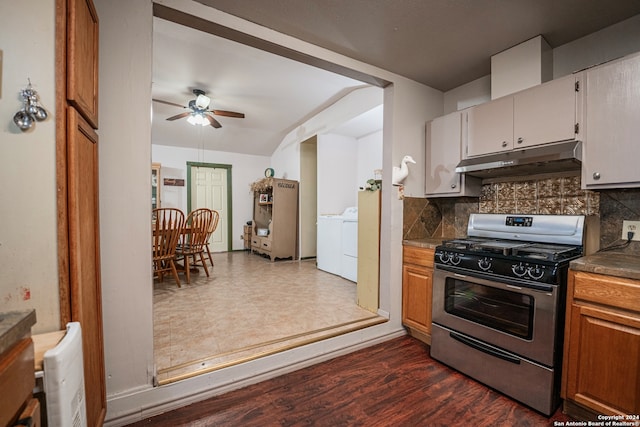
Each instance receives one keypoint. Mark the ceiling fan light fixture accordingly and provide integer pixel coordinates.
(203, 101)
(198, 118)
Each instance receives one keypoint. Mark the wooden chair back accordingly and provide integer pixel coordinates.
(196, 230)
(214, 223)
(166, 232)
(167, 227)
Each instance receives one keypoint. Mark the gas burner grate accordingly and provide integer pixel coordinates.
(548, 252)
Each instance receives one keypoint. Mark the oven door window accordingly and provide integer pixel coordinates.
(504, 310)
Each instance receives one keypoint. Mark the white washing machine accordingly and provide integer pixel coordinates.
(350, 244)
(329, 244)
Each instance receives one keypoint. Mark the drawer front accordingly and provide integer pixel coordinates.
(607, 290)
(16, 380)
(266, 245)
(256, 241)
(418, 256)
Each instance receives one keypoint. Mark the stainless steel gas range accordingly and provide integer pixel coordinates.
(499, 301)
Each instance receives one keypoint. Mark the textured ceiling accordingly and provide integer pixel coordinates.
(441, 43)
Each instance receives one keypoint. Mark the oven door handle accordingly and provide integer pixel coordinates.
(484, 348)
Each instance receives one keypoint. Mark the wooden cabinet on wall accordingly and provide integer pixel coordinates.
(78, 191)
(444, 145)
(417, 276)
(275, 219)
(82, 59)
(601, 372)
(611, 111)
(542, 114)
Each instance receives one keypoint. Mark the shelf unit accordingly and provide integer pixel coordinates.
(275, 219)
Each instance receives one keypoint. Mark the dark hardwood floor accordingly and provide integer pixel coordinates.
(391, 384)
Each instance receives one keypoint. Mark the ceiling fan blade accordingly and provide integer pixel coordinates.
(228, 114)
(168, 103)
(179, 116)
(213, 122)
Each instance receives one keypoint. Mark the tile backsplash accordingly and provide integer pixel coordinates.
(557, 196)
(448, 217)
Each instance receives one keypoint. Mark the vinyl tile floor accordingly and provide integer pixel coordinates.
(249, 307)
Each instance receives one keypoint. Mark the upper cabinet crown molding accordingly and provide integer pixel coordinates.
(82, 59)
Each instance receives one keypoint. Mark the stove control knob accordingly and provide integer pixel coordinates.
(536, 272)
(444, 257)
(455, 258)
(519, 269)
(484, 263)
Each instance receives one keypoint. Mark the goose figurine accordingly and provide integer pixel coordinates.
(400, 173)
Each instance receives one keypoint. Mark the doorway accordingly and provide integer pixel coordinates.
(209, 186)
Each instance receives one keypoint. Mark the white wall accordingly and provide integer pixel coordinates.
(609, 43)
(286, 158)
(470, 94)
(28, 239)
(369, 157)
(125, 194)
(337, 173)
(245, 169)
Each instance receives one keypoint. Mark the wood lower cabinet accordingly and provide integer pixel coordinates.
(417, 276)
(17, 378)
(601, 372)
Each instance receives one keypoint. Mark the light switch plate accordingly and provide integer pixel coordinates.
(631, 226)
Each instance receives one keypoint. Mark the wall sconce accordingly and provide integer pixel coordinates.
(31, 111)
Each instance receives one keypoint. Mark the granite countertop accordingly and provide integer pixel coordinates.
(610, 263)
(14, 326)
(427, 243)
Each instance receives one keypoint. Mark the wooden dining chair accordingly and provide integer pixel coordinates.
(192, 243)
(167, 224)
(212, 228)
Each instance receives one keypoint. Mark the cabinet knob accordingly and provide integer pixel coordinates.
(504, 143)
(520, 140)
(454, 185)
(596, 175)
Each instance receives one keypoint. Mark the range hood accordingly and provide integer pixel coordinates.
(550, 158)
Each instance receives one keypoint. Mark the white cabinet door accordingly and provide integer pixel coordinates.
(545, 113)
(490, 127)
(444, 145)
(612, 125)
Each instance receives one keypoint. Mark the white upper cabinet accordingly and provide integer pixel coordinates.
(539, 115)
(545, 113)
(490, 127)
(611, 131)
(444, 142)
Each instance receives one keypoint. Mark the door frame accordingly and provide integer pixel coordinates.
(229, 195)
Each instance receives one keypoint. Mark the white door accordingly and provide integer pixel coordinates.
(209, 190)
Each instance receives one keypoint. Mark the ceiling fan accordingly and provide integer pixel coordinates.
(200, 113)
